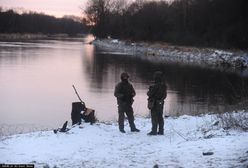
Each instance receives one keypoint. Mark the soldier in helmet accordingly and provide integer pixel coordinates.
(124, 92)
(156, 95)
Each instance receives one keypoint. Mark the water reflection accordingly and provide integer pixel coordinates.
(191, 90)
(36, 79)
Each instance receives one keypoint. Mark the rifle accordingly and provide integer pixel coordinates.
(78, 95)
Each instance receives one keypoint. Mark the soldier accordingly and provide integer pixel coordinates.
(156, 95)
(124, 92)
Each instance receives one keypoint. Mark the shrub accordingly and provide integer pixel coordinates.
(235, 120)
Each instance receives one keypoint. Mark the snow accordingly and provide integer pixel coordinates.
(114, 41)
(102, 145)
(205, 57)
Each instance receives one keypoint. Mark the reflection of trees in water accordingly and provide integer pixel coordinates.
(197, 87)
(105, 69)
(204, 89)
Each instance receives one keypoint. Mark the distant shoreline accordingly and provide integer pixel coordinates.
(34, 36)
(162, 52)
(19, 36)
(155, 51)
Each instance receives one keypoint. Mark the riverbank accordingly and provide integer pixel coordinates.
(19, 36)
(37, 36)
(162, 52)
(188, 142)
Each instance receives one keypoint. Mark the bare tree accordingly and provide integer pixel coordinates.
(120, 6)
(96, 12)
(216, 23)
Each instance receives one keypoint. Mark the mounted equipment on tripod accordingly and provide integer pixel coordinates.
(88, 114)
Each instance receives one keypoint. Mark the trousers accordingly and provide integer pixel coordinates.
(157, 118)
(128, 110)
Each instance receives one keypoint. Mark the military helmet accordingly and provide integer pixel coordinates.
(124, 75)
(157, 76)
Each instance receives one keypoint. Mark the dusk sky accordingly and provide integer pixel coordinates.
(57, 8)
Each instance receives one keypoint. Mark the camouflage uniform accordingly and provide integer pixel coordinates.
(124, 92)
(157, 93)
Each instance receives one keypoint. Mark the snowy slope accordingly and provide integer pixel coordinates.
(102, 145)
(204, 57)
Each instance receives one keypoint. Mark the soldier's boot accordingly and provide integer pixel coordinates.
(121, 128)
(133, 127)
(152, 133)
(161, 132)
(122, 131)
(135, 130)
(154, 130)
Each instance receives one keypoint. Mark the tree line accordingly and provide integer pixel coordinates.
(12, 22)
(211, 23)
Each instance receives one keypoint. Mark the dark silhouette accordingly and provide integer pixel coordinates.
(88, 114)
(12, 22)
(77, 108)
(156, 95)
(214, 23)
(63, 129)
(124, 92)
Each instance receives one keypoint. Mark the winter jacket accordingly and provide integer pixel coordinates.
(158, 91)
(124, 92)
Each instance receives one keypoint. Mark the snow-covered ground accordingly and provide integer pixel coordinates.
(102, 145)
(160, 52)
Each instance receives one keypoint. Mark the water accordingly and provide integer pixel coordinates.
(36, 79)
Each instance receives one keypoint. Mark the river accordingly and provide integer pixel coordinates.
(36, 79)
